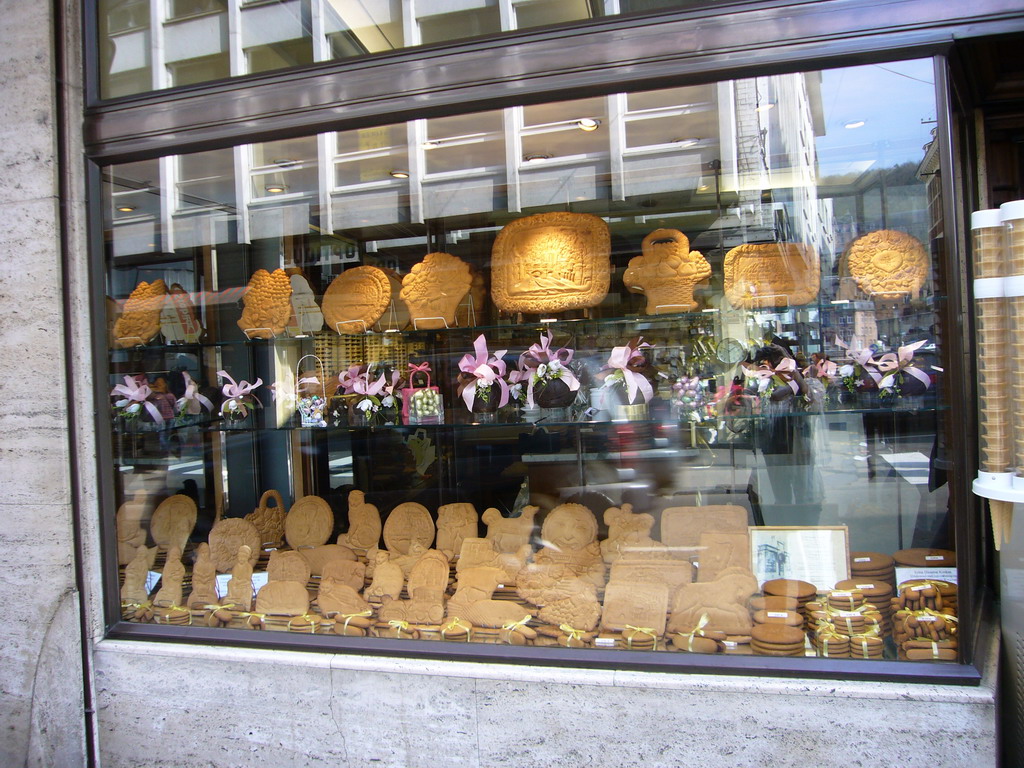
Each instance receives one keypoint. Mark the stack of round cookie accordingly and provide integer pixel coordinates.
(873, 566)
(777, 640)
(803, 591)
(923, 557)
(876, 593)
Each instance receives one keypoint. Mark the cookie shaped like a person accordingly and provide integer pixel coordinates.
(364, 525)
(667, 272)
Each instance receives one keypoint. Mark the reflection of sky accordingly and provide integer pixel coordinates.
(892, 99)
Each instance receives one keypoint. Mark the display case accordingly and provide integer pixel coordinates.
(659, 372)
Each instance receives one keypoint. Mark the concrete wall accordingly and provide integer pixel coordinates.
(41, 720)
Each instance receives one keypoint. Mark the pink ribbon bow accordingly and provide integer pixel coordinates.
(347, 379)
(309, 384)
(540, 354)
(823, 369)
(486, 371)
(193, 402)
(363, 386)
(620, 358)
(415, 368)
(903, 361)
(862, 357)
(784, 371)
(239, 390)
(135, 391)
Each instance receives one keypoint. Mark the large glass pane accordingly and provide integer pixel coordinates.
(656, 371)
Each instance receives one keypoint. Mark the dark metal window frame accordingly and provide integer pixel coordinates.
(676, 48)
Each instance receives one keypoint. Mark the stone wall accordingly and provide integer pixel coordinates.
(41, 703)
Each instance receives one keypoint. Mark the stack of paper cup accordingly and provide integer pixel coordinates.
(995, 426)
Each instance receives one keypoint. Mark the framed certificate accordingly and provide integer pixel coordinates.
(818, 554)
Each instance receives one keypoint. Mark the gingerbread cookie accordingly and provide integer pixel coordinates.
(267, 305)
(364, 526)
(667, 272)
(288, 565)
(319, 558)
(269, 518)
(771, 275)
(204, 579)
(455, 523)
(510, 534)
(434, 288)
(888, 264)
(282, 598)
(309, 523)
(551, 262)
(356, 299)
(350, 572)
(227, 535)
(140, 320)
(408, 523)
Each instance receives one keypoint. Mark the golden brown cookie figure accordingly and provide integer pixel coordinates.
(239, 592)
(569, 534)
(356, 299)
(204, 579)
(140, 320)
(455, 523)
(134, 596)
(629, 533)
(130, 535)
(364, 525)
(172, 521)
(724, 600)
(761, 275)
(551, 262)
(510, 534)
(267, 305)
(171, 580)
(562, 596)
(667, 272)
(269, 519)
(388, 578)
(434, 288)
(888, 264)
(227, 535)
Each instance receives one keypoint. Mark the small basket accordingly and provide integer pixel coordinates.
(421, 405)
(311, 408)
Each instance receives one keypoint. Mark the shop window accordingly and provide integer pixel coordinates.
(653, 371)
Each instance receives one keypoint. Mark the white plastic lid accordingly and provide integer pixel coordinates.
(988, 218)
(1012, 210)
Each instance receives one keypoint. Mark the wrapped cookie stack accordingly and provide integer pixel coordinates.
(872, 566)
(777, 640)
(878, 594)
(802, 591)
(846, 625)
(924, 622)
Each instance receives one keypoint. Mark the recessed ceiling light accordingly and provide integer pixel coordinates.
(275, 189)
(765, 107)
(535, 157)
(126, 208)
(399, 174)
(854, 124)
(588, 124)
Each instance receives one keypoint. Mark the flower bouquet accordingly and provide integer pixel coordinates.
(775, 378)
(901, 378)
(627, 380)
(481, 382)
(311, 401)
(189, 407)
(550, 383)
(134, 402)
(239, 400)
(860, 375)
(421, 405)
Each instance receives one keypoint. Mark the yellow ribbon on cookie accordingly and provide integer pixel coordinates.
(313, 622)
(649, 631)
(571, 633)
(399, 626)
(514, 626)
(457, 623)
(349, 616)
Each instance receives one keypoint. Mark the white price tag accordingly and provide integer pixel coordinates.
(151, 579)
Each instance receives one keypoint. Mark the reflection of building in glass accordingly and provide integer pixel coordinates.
(772, 558)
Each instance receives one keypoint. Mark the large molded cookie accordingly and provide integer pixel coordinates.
(771, 275)
(409, 522)
(550, 262)
(140, 320)
(309, 523)
(288, 565)
(888, 264)
(282, 598)
(569, 527)
(356, 299)
(455, 524)
(173, 521)
(227, 535)
(267, 304)
(364, 525)
(269, 520)
(434, 288)
(667, 272)
(637, 605)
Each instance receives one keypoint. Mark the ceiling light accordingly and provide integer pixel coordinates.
(765, 107)
(854, 124)
(536, 157)
(275, 188)
(431, 144)
(685, 141)
(588, 124)
(284, 162)
(399, 174)
(703, 188)
(126, 208)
